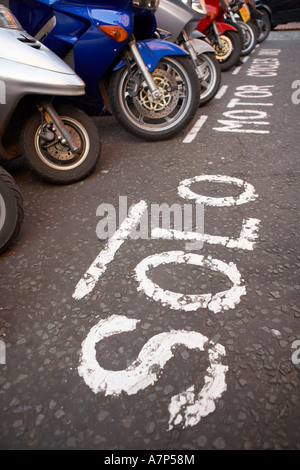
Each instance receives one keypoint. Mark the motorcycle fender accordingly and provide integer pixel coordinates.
(202, 46)
(153, 50)
(222, 27)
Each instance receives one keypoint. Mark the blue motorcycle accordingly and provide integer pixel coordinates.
(148, 84)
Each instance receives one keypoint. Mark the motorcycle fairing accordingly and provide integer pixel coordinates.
(202, 46)
(153, 50)
(223, 27)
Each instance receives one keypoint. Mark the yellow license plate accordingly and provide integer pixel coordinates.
(245, 13)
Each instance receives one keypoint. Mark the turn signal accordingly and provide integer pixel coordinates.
(117, 33)
(211, 15)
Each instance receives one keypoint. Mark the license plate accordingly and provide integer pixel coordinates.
(245, 13)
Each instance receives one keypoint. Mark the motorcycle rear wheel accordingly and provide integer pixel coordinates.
(230, 53)
(55, 162)
(156, 120)
(11, 210)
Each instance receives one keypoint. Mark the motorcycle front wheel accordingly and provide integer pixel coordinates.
(162, 118)
(264, 27)
(211, 80)
(11, 210)
(249, 37)
(229, 54)
(53, 160)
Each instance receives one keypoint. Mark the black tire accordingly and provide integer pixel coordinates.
(164, 118)
(210, 84)
(57, 164)
(264, 27)
(249, 38)
(11, 210)
(229, 55)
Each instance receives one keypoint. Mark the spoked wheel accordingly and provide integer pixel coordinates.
(156, 119)
(50, 157)
(211, 71)
(230, 52)
(11, 210)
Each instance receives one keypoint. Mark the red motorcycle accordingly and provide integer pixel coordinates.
(225, 38)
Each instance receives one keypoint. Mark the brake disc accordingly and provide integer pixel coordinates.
(62, 152)
(163, 106)
(224, 53)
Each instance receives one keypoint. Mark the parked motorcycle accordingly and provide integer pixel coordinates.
(224, 37)
(59, 142)
(178, 22)
(150, 85)
(261, 21)
(238, 13)
(11, 210)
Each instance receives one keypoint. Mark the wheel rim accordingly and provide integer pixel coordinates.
(227, 48)
(248, 37)
(263, 29)
(162, 114)
(59, 156)
(209, 79)
(2, 212)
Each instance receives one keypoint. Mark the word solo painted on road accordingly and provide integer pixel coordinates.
(187, 408)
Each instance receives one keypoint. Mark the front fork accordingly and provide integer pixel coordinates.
(46, 108)
(215, 28)
(156, 94)
(189, 46)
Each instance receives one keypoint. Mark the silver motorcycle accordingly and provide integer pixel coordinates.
(58, 140)
(177, 21)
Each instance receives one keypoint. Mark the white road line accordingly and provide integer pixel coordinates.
(192, 134)
(237, 70)
(99, 265)
(221, 92)
(245, 59)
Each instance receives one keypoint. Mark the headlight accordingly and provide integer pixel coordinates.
(146, 4)
(7, 19)
(198, 5)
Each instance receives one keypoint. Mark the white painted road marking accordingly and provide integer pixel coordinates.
(221, 92)
(237, 70)
(246, 196)
(177, 301)
(193, 133)
(246, 240)
(187, 408)
(99, 265)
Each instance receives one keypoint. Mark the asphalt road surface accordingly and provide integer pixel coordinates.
(183, 339)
